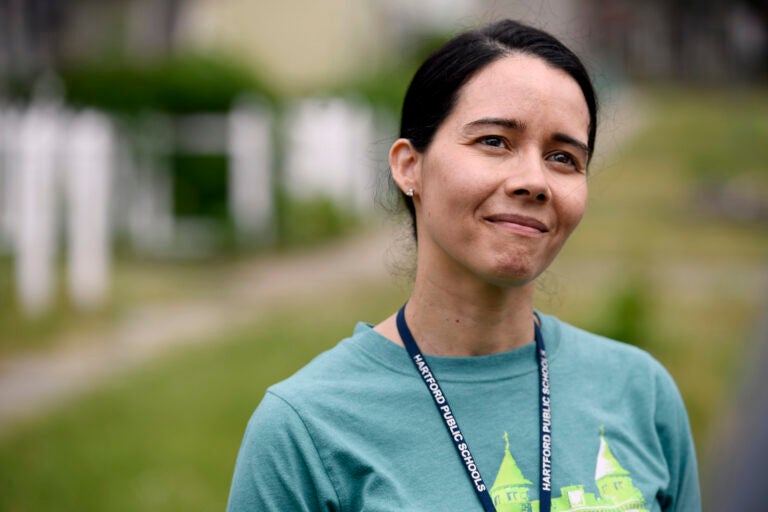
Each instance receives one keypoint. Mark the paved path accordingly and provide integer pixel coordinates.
(37, 383)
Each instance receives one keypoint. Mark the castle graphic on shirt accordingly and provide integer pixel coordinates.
(614, 483)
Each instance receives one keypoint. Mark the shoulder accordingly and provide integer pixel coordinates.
(599, 366)
(303, 414)
(290, 416)
(341, 374)
(573, 341)
(598, 356)
(278, 448)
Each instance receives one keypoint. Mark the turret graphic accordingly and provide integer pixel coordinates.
(614, 482)
(510, 489)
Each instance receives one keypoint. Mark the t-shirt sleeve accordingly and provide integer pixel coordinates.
(683, 493)
(278, 467)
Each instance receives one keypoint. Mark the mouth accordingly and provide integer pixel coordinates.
(519, 223)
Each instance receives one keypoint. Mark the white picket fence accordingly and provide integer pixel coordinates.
(70, 180)
(329, 144)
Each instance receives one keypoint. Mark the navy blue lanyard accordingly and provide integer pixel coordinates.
(460, 443)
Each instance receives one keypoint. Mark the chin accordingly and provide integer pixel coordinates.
(516, 274)
(515, 269)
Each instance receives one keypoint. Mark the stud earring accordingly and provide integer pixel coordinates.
(409, 192)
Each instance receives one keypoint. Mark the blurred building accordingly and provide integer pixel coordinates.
(303, 43)
(710, 40)
(194, 153)
(43, 34)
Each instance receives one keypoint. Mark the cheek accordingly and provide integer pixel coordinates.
(578, 210)
(449, 192)
(573, 205)
(448, 211)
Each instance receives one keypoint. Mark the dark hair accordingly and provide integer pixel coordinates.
(435, 87)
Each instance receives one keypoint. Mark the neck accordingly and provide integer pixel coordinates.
(469, 319)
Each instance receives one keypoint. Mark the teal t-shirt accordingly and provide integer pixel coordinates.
(356, 430)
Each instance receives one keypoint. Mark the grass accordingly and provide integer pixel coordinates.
(165, 437)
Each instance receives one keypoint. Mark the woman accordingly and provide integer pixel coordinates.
(498, 127)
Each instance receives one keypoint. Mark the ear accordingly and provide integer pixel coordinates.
(405, 163)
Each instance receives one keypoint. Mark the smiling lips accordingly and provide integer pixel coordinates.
(518, 223)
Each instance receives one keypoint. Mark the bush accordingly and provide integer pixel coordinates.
(178, 85)
(627, 317)
(309, 221)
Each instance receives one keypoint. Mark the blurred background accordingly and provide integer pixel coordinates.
(190, 210)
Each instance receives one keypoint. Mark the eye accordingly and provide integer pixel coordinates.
(564, 158)
(495, 141)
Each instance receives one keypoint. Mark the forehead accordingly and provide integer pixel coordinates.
(526, 88)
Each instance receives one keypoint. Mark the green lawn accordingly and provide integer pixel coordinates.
(647, 264)
(165, 438)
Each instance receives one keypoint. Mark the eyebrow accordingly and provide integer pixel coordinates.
(567, 139)
(514, 124)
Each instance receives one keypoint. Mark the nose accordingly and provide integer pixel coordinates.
(528, 179)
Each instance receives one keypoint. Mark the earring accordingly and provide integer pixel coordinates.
(409, 192)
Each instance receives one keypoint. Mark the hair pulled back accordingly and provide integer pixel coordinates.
(435, 87)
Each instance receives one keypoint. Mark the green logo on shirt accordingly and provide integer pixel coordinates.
(617, 492)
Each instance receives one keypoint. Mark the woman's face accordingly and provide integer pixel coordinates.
(503, 183)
